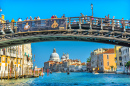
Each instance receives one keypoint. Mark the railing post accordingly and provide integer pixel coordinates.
(16, 28)
(112, 24)
(101, 24)
(69, 23)
(91, 23)
(79, 22)
(124, 26)
(3, 26)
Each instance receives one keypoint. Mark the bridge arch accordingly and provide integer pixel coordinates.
(65, 35)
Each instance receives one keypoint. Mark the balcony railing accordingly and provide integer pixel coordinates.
(1, 52)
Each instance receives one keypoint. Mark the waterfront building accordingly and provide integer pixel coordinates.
(103, 60)
(88, 65)
(94, 58)
(77, 67)
(27, 61)
(48, 64)
(106, 61)
(125, 53)
(12, 60)
(65, 57)
(118, 59)
(55, 65)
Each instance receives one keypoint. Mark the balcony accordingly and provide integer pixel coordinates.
(1, 52)
(7, 54)
(13, 55)
(18, 56)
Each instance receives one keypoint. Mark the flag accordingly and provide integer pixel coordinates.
(34, 55)
(34, 60)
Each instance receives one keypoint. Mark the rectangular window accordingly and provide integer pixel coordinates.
(119, 50)
(17, 61)
(107, 63)
(120, 64)
(6, 60)
(107, 56)
(0, 67)
(0, 59)
(120, 58)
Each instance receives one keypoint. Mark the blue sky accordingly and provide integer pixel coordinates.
(46, 8)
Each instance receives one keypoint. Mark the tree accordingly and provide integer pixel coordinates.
(89, 59)
(127, 65)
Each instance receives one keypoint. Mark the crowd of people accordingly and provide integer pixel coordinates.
(36, 18)
(85, 19)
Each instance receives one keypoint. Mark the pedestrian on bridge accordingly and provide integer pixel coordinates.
(74, 22)
(38, 18)
(35, 18)
(31, 18)
(63, 16)
(82, 17)
(55, 16)
(27, 19)
(52, 17)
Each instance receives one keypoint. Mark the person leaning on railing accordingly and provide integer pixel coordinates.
(38, 18)
(55, 16)
(35, 18)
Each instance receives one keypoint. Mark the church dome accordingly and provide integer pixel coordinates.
(63, 57)
(54, 56)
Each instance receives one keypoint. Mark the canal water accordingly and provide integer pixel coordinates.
(74, 79)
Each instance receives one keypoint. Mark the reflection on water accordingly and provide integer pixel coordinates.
(78, 79)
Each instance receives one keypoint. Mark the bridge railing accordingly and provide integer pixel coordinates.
(88, 22)
(34, 25)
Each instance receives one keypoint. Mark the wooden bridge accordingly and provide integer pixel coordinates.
(87, 28)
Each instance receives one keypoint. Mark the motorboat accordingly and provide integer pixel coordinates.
(58, 72)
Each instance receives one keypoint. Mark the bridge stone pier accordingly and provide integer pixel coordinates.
(87, 28)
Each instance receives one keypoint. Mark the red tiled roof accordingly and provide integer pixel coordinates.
(83, 63)
(108, 51)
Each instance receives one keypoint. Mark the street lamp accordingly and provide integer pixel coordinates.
(92, 8)
(0, 9)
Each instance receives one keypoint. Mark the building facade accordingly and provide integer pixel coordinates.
(103, 60)
(94, 57)
(106, 61)
(13, 60)
(125, 53)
